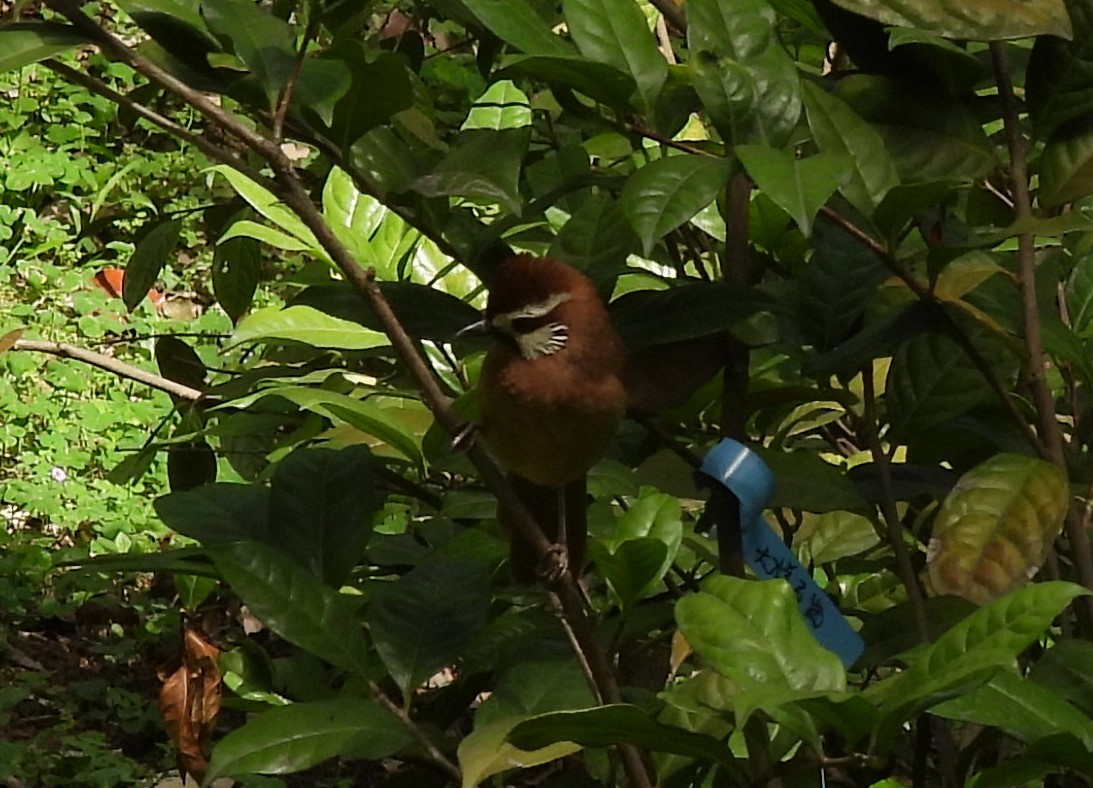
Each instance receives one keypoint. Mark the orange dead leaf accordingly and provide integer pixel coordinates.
(189, 701)
(7, 342)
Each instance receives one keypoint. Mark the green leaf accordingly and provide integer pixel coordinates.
(1057, 85)
(237, 268)
(1079, 296)
(486, 752)
(485, 166)
(743, 76)
(545, 676)
(264, 43)
(254, 231)
(837, 285)
(381, 88)
(596, 239)
(270, 207)
(799, 186)
(321, 505)
(1066, 166)
(178, 27)
(502, 106)
(292, 602)
(1021, 708)
(309, 326)
(617, 724)
(1067, 669)
(615, 32)
(753, 633)
(598, 81)
(804, 481)
(301, 735)
(664, 194)
(23, 43)
(838, 130)
(517, 22)
(968, 654)
(929, 137)
(424, 620)
(631, 568)
(150, 255)
(985, 21)
(930, 382)
(839, 535)
(384, 160)
(995, 529)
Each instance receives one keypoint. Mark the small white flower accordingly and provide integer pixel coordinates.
(58, 474)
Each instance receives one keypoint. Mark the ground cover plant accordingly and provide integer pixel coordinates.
(853, 236)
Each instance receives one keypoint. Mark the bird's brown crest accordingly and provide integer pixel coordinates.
(524, 280)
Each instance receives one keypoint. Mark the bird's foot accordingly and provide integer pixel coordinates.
(554, 564)
(464, 437)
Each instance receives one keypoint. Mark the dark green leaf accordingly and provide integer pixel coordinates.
(218, 513)
(617, 724)
(264, 43)
(804, 481)
(598, 81)
(237, 268)
(1066, 165)
(631, 568)
(1067, 668)
(664, 194)
(23, 43)
(799, 186)
(746, 80)
(178, 27)
(177, 361)
(615, 32)
(544, 677)
(384, 160)
(424, 620)
(292, 602)
(380, 88)
(485, 166)
(1057, 84)
(597, 238)
(985, 21)
(517, 22)
(150, 255)
(190, 465)
(1079, 296)
(321, 505)
(301, 735)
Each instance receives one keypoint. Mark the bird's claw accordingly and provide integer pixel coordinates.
(464, 437)
(554, 564)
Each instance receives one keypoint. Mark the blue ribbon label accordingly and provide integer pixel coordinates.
(745, 475)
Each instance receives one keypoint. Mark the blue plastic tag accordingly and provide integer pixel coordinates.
(745, 475)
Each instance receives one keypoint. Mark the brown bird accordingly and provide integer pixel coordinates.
(550, 396)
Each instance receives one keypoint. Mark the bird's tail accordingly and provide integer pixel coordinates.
(542, 502)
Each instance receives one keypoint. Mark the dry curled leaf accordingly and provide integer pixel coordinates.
(7, 342)
(189, 701)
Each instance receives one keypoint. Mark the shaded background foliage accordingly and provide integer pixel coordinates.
(817, 235)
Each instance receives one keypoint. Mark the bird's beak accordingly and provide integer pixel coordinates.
(477, 329)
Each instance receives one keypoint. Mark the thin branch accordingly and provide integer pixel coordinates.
(434, 753)
(1080, 548)
(294, 76)
(110, 364)
(673, 13)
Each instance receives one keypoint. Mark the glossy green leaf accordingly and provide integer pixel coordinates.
(799, 186)
(151, 253)
(247, 229)
(598, 81)
(837, 285)
(968, 654)
(502, 106)
(545, 676)
(360, 413)
(237, 268)
(984, 20)
(23, 43)
(838, 129)
(1066, 166)
(320, 86)
(929, 137)
(995, 529)
(1079, 296)
(664, 194)
(517, 22)
(804, 481)
(746, 80)
(620, 723)
(268, 206)
(631, 568)
(615, 32)
(753, 633)
(1057, 84)
(301, 735)
(385, 160)
(263, 42)
(306, 325)
(1067, 669)
(484, 166)
(839, 535)
(178, 27)
(1052, 755)
(1021, 708)
(930, 382)
(424, 620)
(597, 239)
(321, 505)
(486, 752)
(216, 514)
(295, 604)
(381, 87)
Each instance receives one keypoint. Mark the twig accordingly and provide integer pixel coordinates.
(672, 13)
(434, 753)
(119, 368)
(1080, 548)
(293, 77)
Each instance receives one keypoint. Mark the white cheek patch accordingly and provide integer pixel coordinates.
(543, 341)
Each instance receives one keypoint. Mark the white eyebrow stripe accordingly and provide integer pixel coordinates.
(541, 308)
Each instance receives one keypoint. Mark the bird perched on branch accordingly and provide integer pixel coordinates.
(550, 396)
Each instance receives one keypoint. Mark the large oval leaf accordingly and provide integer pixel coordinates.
(23, 43)
(1057, 83)
(306, 325)
(982, 20)
(995, 528)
